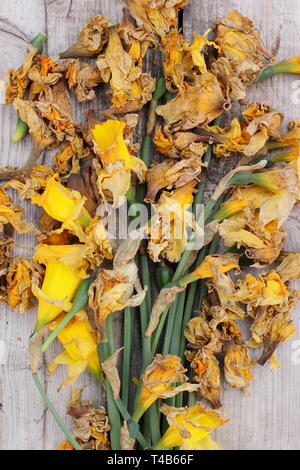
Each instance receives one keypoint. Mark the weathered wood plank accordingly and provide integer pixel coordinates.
(269, 417)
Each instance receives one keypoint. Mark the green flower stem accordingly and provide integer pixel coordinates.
(22, 129)
(169, 333)
(133, 427)
(159, 93)
(105, 350)
(54, 413)
(129, 315)
(151, 418)
(81, 300)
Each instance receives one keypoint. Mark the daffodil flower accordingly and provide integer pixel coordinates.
(62, 204)
(80, 343)
(190, 428)
(168, 231)
(210, 267)
(110, 146)
(112, 291)
(158, 381)
(65, 269)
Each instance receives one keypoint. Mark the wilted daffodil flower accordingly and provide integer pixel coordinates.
(66, 266)
(197, 105)
(268, 289)
(62, 204)
(155, 16)
(112, 291)
(131, 88)
(110, 146)
(168, 232)
(290, 139)
(210, 268)
(80, 343)
(250, 135)
(190, 428)
(237, 366)
(242, 54)
(92, 39)
(12, 214)
(183, 59)
(159, 381)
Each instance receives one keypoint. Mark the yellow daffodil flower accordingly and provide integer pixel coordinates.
(190, 428)
(62, 204)
(80, 343)
(65, 269)
(158, 381)
(110, 146)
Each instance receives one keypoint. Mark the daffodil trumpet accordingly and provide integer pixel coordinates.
(285, 66)
(66, 267)
(80, 302)
(63, 204)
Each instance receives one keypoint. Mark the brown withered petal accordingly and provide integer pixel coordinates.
(180, 144)
(171, 174)
(127, 443)
(11, 213)
(200, 334)
(18, 80)
(82, 78)
(280, 329)
(92, 39)
(19, 284)
(110, 370)
(166, 297)
(289, 269)
(28, 186)
(91, 425)
(40, 131)
(58, 112)
(237, 365)
(6, 246)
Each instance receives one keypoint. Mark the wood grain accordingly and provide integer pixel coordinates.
(270, 417)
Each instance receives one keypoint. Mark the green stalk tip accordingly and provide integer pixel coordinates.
(21, 131)
(38, 42)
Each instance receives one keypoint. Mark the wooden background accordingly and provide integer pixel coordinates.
(267, 419)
